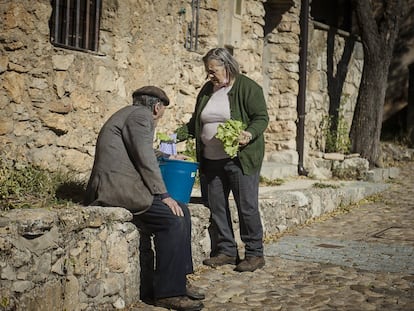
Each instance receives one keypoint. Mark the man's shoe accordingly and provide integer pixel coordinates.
(250, 264)
(220, 260)
(179, 303)
(194, 292)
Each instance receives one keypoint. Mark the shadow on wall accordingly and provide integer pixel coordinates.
(336, 81)
(395, 128)
(403, 57)
(71, 191)
(274, 12)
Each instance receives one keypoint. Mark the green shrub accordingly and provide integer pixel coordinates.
(337, 140)
(24, 186)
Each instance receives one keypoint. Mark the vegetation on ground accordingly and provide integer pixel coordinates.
(264, 181)
(31, 187)
(336, 134)
(324, 186)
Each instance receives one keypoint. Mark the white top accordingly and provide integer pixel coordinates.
(216, 111)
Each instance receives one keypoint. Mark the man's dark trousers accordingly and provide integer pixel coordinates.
(172, 243)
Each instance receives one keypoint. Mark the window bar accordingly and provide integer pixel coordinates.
(67, 22)
(77, 34)
(196, 27)
(192, 23)
(97, 22)
(57, 16)
(87, 21)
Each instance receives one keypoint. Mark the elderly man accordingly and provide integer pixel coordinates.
(126, 174)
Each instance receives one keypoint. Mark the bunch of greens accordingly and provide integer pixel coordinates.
(228, 133)
(190, 150)
(164, 137)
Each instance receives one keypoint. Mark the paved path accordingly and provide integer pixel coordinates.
(361, 258)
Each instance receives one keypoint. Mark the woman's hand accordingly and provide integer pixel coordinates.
(179, 157)
(244, 138)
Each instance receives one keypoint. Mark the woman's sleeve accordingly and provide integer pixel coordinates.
(256, 110)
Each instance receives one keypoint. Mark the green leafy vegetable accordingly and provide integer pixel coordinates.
(228, 133)
(182, 133)
(164, 137)
(190, 150)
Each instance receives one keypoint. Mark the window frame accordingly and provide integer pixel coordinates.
(75, 24)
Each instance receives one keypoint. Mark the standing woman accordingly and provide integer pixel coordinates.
(230, 95)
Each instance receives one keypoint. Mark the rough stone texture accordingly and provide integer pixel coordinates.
(68, 259)
(360, 258)
(53, 101)
(86, 258)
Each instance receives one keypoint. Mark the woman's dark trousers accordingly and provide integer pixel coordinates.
(223, 176)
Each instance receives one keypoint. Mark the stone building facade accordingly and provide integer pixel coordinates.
(53, 100)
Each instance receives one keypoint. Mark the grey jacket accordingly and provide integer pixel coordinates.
(126, 171)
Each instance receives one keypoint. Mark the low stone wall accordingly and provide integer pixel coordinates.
(68, 259)
(87, 258)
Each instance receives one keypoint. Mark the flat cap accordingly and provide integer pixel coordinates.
(152, 91)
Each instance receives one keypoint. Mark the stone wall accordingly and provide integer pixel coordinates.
(68, 259)
(87, 258)
(334, 73)
(53, 101)
(281, 74)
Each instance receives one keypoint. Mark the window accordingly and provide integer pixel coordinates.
(335, 13)
(75, 24)
(238, 8)
(191, 42)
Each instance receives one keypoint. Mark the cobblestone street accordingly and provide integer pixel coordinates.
(359, 258)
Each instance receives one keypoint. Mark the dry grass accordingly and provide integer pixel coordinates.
(30, 187)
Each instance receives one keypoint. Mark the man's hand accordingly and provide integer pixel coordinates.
(174, 207)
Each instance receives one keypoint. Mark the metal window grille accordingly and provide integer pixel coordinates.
(75, 24)
(192, 29)
(238, 8)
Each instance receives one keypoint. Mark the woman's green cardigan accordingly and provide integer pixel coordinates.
(247, 104)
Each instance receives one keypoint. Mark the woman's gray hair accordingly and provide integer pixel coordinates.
(223, 56)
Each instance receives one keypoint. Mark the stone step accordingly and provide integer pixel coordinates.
(293, 203)
(274, 170)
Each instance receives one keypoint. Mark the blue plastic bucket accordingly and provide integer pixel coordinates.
(179, 177)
